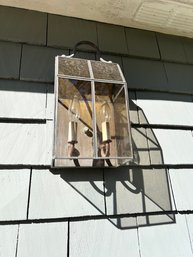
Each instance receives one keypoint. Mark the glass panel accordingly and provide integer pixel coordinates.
(106, 71)
(74, 123)
(73, 67)
(105, 120)
(122, 132)
(112, 123)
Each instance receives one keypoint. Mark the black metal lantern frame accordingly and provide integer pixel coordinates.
(92, 125)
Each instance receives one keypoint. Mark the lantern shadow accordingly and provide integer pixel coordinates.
(130, 196)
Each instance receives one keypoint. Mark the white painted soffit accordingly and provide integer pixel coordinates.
(167, 16)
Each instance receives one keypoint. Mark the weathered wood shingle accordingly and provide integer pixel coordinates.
(149, 46)
(66, 194)
(50, 102)
(140, 146)
(65, 32)
(8, 240)
(145, 74)
(180, 77)
(189, 219)
(133, 108)
(176, 146)
(166, 240)
(38, 63)
(111, 38)
(155, 149)
(10, 60)
(21, 25)
(14, 191)
(171, 48)
(102, 238)
(137, 190)
(181, 181)
(28, 144)
(48, 239)
(188, 49)
(162, 108)
(22, 100)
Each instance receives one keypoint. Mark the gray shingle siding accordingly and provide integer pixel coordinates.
(37, 63)
(10, 60)
(111, 38)
(24, 26)
(69, 31)
(86, 212)
(148, 46)
(145, 74)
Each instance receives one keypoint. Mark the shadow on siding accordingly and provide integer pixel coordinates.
(136, 195)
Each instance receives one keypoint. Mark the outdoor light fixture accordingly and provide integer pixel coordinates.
(92, 126)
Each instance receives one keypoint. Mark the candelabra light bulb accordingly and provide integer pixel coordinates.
(105, 112)
(74, 109)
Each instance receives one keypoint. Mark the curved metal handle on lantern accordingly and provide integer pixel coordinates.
(84, 42)
(91, 44)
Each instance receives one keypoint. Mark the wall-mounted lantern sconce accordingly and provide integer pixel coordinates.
(92, 126)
